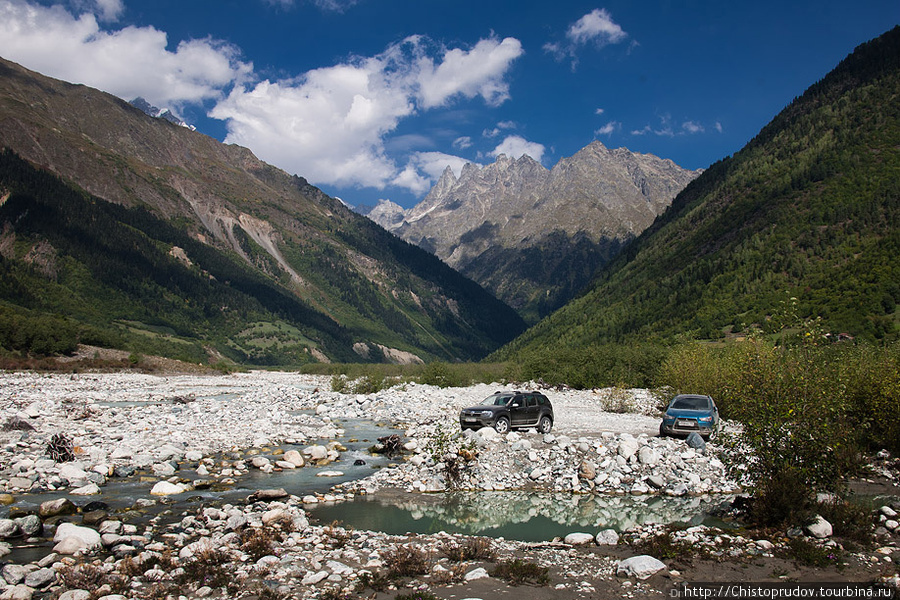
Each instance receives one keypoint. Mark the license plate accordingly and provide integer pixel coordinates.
(686, 423)
(470, 419)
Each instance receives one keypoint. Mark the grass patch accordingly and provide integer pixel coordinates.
(810, 554)
(520, 572)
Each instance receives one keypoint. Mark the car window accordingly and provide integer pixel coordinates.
(496, 400)
(691, 403)
(531, 401)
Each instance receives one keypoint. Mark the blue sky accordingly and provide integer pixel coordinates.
(372, 99)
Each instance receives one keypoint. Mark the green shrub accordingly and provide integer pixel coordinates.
(849, 519)
(811, 554)
(520, 572)
(339, 384)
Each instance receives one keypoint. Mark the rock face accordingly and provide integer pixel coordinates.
(534, 236)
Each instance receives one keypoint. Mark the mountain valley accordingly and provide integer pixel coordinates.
(535, 236)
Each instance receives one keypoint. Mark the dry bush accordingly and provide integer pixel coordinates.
(406, 561)
(468, 550)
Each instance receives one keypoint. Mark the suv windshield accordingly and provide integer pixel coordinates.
(691, 403)
(496, 400)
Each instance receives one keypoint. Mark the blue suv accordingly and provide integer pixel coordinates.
(689, 413)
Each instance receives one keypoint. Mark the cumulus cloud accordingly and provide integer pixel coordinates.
(462, 142)
(110, 10)
(597, 27)
(515, 146)
(330, 124)
(130, 62)
(476, 72)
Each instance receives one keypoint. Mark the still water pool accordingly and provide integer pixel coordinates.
(519, 515)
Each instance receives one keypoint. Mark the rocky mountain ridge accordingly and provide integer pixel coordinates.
(534, 236)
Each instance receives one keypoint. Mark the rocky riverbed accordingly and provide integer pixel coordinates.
(185, 434)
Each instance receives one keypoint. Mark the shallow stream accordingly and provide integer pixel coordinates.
(518, 515)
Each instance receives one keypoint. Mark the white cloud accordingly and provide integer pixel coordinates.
(666, 128)
(500, 128)
(719, 127)
(643, 131)
(476, 72)
(599, 111)
(411, 179)
(515, 146)
(334, 5)
(692, 127)
(462, 142)
(597, 26)
(330, 124)
(129, 62)
(434, 163)
(608, 128)
(110, 10)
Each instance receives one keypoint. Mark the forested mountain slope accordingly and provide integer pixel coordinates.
(806, 216)
(158, 238)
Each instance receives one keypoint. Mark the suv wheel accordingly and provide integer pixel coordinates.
(545, 424)
(502, 425)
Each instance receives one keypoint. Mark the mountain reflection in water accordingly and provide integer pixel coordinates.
(519, 515)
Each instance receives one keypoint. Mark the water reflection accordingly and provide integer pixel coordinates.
(521, 515)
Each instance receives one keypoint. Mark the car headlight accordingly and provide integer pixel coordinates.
(706, 419)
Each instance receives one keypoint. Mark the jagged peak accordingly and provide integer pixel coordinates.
(469, 170)
(385, 203)
(448, 174)
(445, 183)
(503, 161)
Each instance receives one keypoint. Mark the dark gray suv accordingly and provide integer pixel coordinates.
(510, 410)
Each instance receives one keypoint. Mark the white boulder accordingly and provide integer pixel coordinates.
(640, 567)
